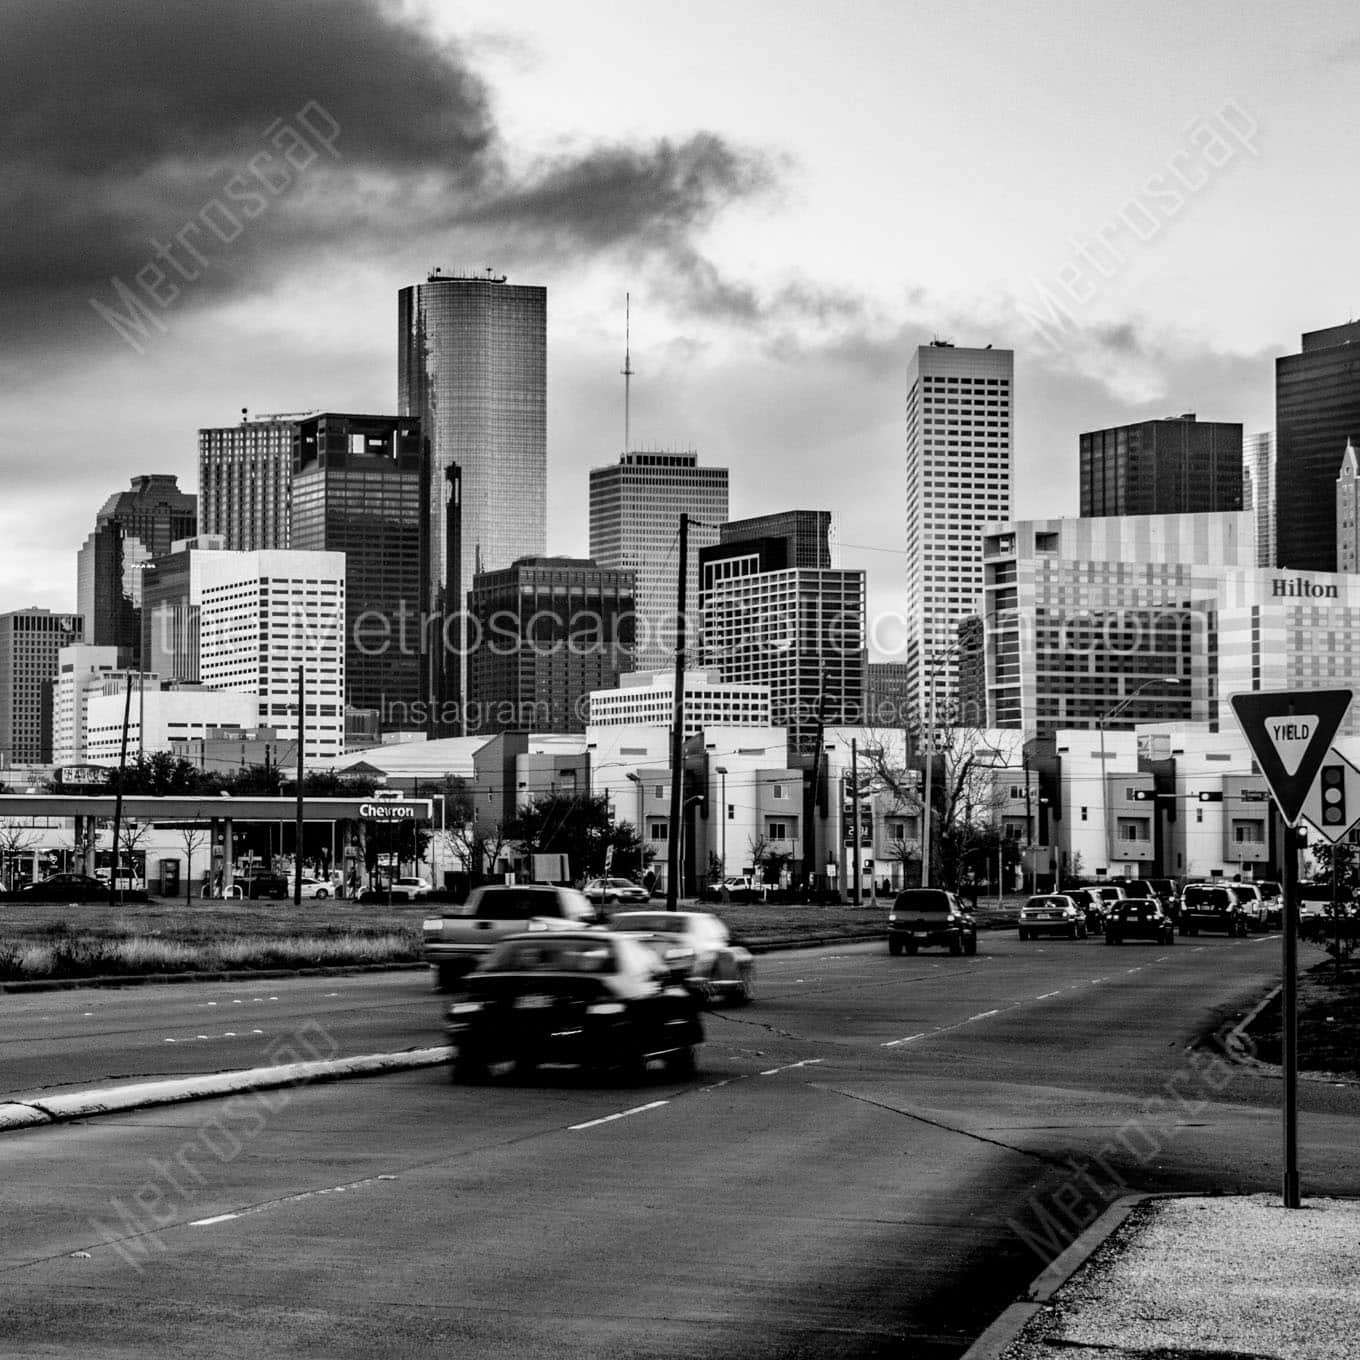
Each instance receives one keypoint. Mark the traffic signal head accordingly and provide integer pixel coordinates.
(1332, 779)
(1210, 796)
(1143, 795)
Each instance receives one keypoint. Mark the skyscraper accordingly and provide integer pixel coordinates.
(359, 487)
(245, 477)
(809, 534)
(1258, 472)
(472, 365)
(132, 527)
(552, 630)
(635, 508)
(1348, 512)
(959, 414)
(30, 647)
(1176, 466)
(1317, 410)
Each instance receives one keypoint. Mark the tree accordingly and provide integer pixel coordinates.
(573, 825)
(192, 836)
(131, 837)
(15, 838)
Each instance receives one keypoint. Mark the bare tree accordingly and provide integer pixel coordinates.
(15, 839)
(131, 837)
(192, 837)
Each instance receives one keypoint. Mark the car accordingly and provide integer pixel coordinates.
(1165, 888)
(66, 887)
(1052, 914)
(1211, 906)
(925, 917)
(698, 947)
(1252, 902)
(267, 884)
(607, 892)
(410, 890)
(317, 887)
(1139, 918)
(592, 999)
(1090, 904)
(1273, 895)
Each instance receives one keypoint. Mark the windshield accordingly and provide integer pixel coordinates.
(549, 955)
(1047, 903)
(924, 901)
(1212, 899)
(673, 922)
(508, 904)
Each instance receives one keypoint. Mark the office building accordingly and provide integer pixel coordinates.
(1258, 496)
(809, 535)
(472, 367)
(169, 618)
(959, 451)
(635, 509)
(359, 487)
(1317, 411)
(81, 672)
(130, 529)
(245, 475)
(262, 617)
(1110, 621)
(161, 716)
(30, 659)
(1176, 466)
(798, 630)
(548, 630)
(647, 699)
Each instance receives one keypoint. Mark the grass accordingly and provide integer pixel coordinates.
(1329, 1021)
(50, 940)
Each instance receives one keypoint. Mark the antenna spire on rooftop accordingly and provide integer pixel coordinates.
(627, 369)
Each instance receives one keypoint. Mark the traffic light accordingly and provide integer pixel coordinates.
(1333, 782)
(1143, 795)
(1210, 796)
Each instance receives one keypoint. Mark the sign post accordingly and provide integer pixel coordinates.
(1289, 732)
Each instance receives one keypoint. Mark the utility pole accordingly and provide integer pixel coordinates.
(297, 831)
(858, 898)
(674, 864)
(118, 799)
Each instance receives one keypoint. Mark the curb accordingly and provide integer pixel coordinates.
(1007, 1328)
(62, 1109)
(1235, 1045)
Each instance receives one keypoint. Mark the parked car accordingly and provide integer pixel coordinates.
(459, 939)
(927, 917)
(593, 999)
(698, 948)
(1210, 906)
(66, 887)
(1052, 914)
(258, 886)
(313, 887)
(1140, 918)
(1273, 894)
(607, 892)
(1091, 906)
(1252, 903)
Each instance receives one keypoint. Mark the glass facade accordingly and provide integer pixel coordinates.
(244, 481)
(1162, 467)
(30, 645)
(472, 366)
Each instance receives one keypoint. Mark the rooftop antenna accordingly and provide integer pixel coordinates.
(627, 369)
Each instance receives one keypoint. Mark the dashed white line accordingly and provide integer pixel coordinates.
(893, 1043)
(622, 1114)
(1139, 969)
(807, 1062)
(1046, 995)
(981, 1016)
(208, 1222)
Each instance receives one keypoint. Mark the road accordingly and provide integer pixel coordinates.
(876, 1158)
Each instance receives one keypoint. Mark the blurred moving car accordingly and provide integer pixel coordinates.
(1052, 914)
(459, 939)
(1139, 919)
(593, 999)
(1273, 894)
(66, 887)
(926, 917)
(698, 943)
(1211, 906)
(606, 892)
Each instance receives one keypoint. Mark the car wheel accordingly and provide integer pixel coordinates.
(912, 947)
(746, 988)
(1111, 937)
(894, 947)
(1071, 932)
(956, 946)
(322, 892)
(445, 977)
(1082, 932)
(970, 945)
(1169, 937)
(682, 1063)
(1024, 935)
(469, 1070)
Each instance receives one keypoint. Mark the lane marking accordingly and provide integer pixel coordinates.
(1139, 969)
(807, 1062)
(982, 1016)
(290, 1199)
(208, 1222)
(1046, 995)
(893, 1043)
(622, 1114)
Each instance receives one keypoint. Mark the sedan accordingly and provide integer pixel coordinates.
(1054, 914)
(317, 887)
(696, 946)
(1139, 919)
(67, 888)
(591, 999)
(606, 892)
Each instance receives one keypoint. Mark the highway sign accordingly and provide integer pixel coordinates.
(1289, 732)
(1333, 803)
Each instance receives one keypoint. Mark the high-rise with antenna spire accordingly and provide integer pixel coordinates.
(627, 368)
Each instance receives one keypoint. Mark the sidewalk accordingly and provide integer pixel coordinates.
(1169, 1278)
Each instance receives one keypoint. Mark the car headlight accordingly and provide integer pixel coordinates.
(606, 1008)
(465, 1007)
(432, 925)
(892, 917)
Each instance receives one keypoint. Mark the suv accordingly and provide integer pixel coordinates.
(1139, 919)
(930, 916)
(1252, 902)
(1211, 906)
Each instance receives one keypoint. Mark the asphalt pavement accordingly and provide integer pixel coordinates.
(876, 1160)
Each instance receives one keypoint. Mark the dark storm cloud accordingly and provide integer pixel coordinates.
(317, 126)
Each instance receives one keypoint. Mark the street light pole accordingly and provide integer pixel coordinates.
(721, 772)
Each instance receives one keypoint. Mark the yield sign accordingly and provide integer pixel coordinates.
(1333, 803)
(1289, 732)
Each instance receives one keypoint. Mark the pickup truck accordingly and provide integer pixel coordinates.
(457, 941)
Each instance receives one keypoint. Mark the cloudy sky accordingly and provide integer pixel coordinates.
(1146, 202)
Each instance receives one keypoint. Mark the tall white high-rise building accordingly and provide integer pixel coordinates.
(635, 508)
(1258, 473)
(261, 616)
(959, 420)
(82, 671)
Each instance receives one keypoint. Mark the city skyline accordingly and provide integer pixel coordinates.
(765, 348)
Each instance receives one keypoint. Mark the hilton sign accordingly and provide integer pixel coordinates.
(1300, 589)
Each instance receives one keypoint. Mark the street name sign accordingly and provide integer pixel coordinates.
(1289, 732)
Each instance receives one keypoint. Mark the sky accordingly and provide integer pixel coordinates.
(209, 207)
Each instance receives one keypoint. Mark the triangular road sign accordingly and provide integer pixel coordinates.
(1289, 732)
(1333, 802)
